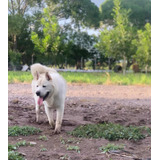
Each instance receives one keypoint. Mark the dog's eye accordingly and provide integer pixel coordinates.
(44, 86)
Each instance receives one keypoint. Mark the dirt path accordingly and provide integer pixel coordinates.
(126, 105)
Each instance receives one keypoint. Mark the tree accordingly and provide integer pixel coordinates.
(80, 12)
(48, 43)
(116, 42)
(139, 15)
(15, 23)
(20, 15)
(143, 47)
(22, 7)
(80, 47)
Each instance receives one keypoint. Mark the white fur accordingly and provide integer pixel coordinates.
(56, 87)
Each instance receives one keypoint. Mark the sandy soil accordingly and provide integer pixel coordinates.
(126, 105)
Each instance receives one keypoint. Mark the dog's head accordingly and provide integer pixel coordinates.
(43, 87)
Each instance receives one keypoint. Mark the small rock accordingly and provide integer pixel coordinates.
(32, 143)
(15, 101)
(23, 154)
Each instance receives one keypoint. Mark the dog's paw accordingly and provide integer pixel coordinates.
(52, 124)
(57, 131)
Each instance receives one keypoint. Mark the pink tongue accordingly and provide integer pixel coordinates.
(40, 101)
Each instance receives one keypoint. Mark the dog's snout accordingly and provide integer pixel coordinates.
(38, 93)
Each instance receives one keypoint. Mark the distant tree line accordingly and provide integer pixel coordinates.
(54, 32)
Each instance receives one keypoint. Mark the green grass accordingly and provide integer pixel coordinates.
(22, 130)
(92, 78)
(19, 76)
(43, 149)
(12, 154)
(73, 148)
(65, 157)
(110, 131)
(43, 138)
(110, 147)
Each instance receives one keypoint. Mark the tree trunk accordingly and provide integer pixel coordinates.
(14, 42)
(124, 65)
(32, 58)
(65, 62)
(146, 69)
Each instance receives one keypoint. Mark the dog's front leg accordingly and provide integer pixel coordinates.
(59, 117)
(37, 113)
(36, 108)
(49, 112)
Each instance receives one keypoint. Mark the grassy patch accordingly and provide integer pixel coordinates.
(93, 78)
(69, 140)
(21, 143)
(65, 157)
(43, 149)
(22, 130)
(19, 76)
(12, 154)
(43, 138)
(110, 131)
(73, 148)
(110, 147)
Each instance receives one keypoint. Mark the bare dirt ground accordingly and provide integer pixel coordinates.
(125, 105)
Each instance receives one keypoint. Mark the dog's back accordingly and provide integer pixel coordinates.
(41, 69)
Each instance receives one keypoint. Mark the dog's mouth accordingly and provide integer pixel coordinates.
(41, 99)
(45, 96)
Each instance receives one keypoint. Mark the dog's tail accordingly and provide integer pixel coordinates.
(41, 69)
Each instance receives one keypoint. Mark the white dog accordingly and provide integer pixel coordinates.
(49, 88)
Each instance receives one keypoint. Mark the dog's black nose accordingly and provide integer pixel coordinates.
(38, 93)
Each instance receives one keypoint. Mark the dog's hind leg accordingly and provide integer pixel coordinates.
(59, 117)
(49, 112)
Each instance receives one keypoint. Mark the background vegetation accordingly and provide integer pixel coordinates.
(57, 33)
(93, 78)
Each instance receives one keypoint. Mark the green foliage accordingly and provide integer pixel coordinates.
(50, 40)
(81, 12)
(22, 7)
(15, 23)
(21, 143)
(116, 42)
(73, 148)
(143, 46)
(22, 130)
(69, 140)
(140, 11)
(110, 131)
(92, 78)
(12, 155)
(43, 138)
(11, 147)
(43, 149)
(65, 157)
(110, 147)
(19, 76)
(129, 79)
(80, 45)
(14, 57)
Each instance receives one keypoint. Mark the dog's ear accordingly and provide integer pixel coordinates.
(48, 77)
(37, 75)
